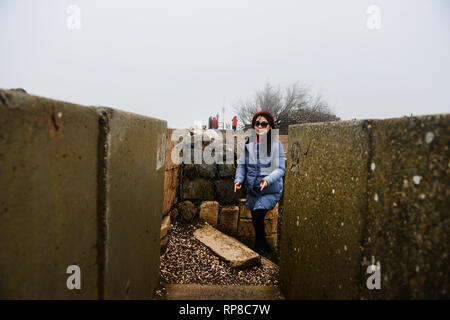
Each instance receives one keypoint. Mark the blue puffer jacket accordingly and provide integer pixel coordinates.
(253, 167)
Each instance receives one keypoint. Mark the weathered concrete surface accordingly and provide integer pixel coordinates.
(232, 251)
(408, 218)
(80, 186)
(222, 292)
(48, 197)
(134, 198)
(367, 191)
(323, 210)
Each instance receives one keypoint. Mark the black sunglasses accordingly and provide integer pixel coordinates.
(263, 124)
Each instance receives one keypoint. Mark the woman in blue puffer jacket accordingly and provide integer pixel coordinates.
(262, 166)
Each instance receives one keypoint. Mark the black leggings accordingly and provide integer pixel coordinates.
(258, 215)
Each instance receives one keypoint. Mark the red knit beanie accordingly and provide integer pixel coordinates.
(265, 114)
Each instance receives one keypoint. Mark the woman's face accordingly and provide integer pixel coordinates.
(259, 129)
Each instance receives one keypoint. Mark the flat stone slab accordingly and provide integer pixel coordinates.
(222, 292)
(235, 253)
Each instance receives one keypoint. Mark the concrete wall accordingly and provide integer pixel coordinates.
(48, 198)
(74, 182)
(134, 199)
(367, 191)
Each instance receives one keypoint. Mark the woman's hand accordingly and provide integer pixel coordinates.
(263, 184)
(237, 186)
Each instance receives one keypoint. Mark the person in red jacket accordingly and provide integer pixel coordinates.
(215, 123)
(234, 123)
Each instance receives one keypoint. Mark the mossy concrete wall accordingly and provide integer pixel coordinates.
(48, 197)
(363, 192)
(79, 186)
(134, 199)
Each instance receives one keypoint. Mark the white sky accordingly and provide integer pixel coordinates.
(182, 61)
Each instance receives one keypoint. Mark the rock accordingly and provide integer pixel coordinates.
(272, 214)
(229, 249)
(266, 263)
(190, 171)
(270, 226)
(225, 192)
(246, 214)
(170, 188)
(164, 242)
(272, 241)
(207, 170)
(187, 210)
(19, 90)
(228, 221)
(209, 212)
(173, 214)
(198, 189)
(243, 211)
(165, 226)
(227, 170)
(246, 229)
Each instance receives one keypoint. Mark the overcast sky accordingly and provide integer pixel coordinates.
(183, 61)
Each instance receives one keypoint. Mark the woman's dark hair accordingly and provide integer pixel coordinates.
(267, 137)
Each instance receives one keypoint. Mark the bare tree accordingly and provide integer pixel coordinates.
(295, 105)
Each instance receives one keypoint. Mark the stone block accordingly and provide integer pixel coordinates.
(272, 241)
(226, 170)
(246, 229)
(272, 214)
(225, 192)
(228, 220)
(165, 226)
(170, 188)
(190, 171)
(233, 252)
(270, 226)
(209, 212)
(187, 210)
(173, 213)
(163, 243)
(207, 170)
(244, 213)
(198, 189)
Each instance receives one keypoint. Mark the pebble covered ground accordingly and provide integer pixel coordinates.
(188, 261)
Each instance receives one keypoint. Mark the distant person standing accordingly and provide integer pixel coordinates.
(234, 123)
(210, 122)
(215, 123)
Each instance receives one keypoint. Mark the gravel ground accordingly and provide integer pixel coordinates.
(188, 261)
